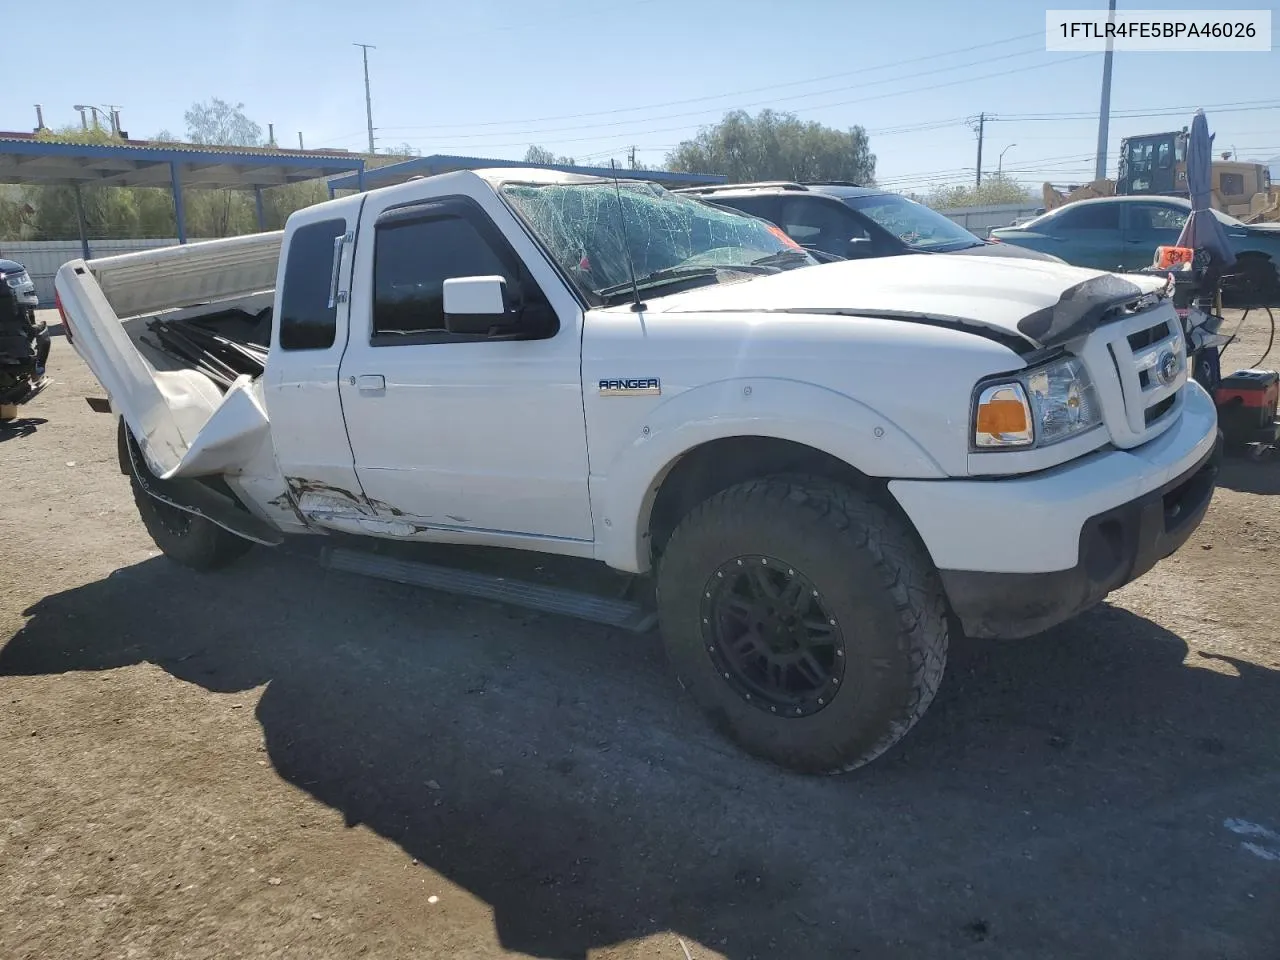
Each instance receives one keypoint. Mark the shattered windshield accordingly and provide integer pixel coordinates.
(671, 239)
(913, 223)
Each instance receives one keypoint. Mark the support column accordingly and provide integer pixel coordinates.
(80, 221)
(257, 200)
(179, 212)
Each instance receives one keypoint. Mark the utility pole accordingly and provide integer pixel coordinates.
(982, 125)
(300, 146)
(1104, 110)
(631, 157)
(368, 100)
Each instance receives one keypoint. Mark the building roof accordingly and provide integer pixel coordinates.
(24, 159)
(394, 173)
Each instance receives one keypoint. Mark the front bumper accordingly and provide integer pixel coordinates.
(1020, 554)
(1116, 548)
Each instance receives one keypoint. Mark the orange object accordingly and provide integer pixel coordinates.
(781, 235)
(1002, 416)
(1168, 257)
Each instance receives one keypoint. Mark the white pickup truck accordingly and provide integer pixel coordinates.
(825, 468)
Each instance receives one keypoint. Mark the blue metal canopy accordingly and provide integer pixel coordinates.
(29, 161)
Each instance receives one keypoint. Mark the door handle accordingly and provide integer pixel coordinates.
(369, 382)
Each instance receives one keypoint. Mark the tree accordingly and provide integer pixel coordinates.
(218, 123)
(776, 146)
(995, 189)
(403, 150)
(542, 157)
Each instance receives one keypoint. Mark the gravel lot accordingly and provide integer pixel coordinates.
(279, 761)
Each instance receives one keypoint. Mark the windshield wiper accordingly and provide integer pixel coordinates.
(780, 258)
(659, 278)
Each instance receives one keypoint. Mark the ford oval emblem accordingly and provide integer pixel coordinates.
(1167, 367)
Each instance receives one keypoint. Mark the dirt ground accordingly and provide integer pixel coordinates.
(280, 761)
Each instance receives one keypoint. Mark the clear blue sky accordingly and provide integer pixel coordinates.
(486, 77)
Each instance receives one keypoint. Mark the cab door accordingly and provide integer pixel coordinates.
(462, 431)
(308, 336)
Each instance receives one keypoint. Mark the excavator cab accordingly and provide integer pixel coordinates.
(1155, 163)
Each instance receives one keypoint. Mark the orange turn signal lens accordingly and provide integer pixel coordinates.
(1003, 417)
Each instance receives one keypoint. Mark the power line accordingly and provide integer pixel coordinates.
(731, 93)
(757, 103)
(841, 103)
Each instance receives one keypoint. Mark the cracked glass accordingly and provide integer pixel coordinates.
(589, 228)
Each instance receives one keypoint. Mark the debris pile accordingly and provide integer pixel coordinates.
(222, 346)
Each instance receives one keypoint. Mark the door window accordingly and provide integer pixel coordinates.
(308, 317)
(821, 224)
(1092, 216)
(1152, 218)
(412, 260)
(763, 207)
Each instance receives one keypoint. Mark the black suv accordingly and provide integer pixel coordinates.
(846, 221)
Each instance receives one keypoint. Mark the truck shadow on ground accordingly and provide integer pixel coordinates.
(553, 769)
(1246, 475)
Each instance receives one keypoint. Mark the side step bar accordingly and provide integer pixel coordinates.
(622, 614)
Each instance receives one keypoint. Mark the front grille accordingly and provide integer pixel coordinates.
(1145, 338)
(1144, 351)
(1154, 413)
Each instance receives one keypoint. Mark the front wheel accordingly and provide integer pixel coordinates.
(804, 620)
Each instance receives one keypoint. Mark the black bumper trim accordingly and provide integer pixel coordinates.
(1116, 547)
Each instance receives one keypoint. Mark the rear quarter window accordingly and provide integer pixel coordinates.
(306, 321)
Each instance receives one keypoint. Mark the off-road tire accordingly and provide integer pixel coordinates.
(879, 583)
(190, 540)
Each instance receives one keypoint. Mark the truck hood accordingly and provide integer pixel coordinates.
(1034, 302)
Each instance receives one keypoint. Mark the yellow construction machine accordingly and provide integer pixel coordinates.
(1156, 164)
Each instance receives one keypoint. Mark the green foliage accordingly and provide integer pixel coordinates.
(540, 157)
(994, 189)
(218, 123)
(49, 213)
(776, 146)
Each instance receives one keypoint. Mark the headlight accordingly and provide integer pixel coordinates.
(15, 279)
(1041, 406)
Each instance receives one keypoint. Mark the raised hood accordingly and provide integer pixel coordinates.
(1034, 301)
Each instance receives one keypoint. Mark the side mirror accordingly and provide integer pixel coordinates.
(858, 247)
(475, 305)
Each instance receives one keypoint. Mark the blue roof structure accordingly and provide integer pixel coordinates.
(394, 173)
(29, 161)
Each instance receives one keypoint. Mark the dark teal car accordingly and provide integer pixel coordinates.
(1122, 233)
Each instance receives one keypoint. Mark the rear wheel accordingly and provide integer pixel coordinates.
(191, 540)
(804, 620)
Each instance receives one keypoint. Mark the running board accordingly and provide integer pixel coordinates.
(622, 614)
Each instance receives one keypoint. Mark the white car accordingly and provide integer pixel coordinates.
(822, 467)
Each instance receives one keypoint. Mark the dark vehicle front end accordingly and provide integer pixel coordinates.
(24, 342)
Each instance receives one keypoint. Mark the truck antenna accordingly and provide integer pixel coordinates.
(638, 304)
